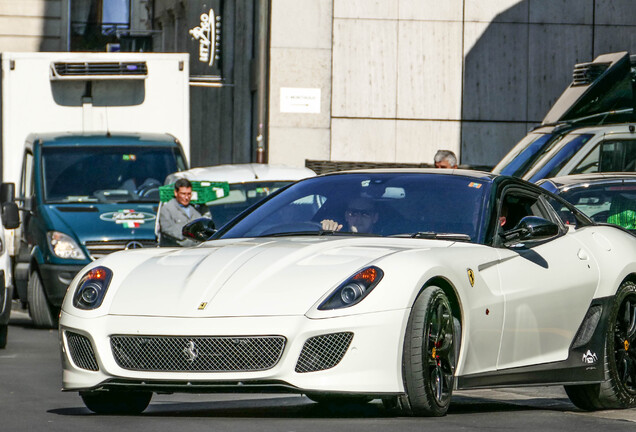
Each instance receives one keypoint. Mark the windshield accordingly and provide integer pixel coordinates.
(558, 157)
(608, 202)
(384, 204)
(241, 197)
(107, 174)
(523, 156)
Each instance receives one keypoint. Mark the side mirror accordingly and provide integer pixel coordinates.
(199, 229)
(10, 215)
(531, 228)
(7, 192)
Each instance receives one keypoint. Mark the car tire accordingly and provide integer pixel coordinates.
(618, 390)
(39, 309)
(428, 363)
(116, 402)
(4, 331)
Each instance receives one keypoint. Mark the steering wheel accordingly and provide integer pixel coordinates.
(149, 186)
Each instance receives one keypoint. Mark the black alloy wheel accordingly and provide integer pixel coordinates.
(624, 346)
(618, 389)
(429, 356)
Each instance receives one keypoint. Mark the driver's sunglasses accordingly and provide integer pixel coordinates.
(359, 212)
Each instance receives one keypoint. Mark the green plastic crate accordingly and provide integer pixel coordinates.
(202, 191)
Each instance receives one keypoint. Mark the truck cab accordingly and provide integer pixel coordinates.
(82, 196)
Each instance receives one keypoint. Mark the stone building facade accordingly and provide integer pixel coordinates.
(400, 79)
(388, 81)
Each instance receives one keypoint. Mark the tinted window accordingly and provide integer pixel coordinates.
(107, 174)
(609, 156)
(612, 202)
(241, 197)
(557, 159)
(404, 204)
(525, 154)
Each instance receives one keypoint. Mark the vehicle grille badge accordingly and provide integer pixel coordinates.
(202, 305)
(191, 351)
(471, 277)
(134, 245)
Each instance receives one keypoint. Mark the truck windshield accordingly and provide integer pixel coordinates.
(525, 154)
(558, 158)
(112, 174)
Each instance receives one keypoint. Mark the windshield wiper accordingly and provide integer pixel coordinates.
(436, 236)
(318, 233)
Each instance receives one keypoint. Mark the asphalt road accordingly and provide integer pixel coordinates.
(31, 400)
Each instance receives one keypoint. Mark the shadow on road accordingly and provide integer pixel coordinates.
(301, 407)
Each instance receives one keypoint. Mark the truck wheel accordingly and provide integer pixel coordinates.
(39, 308)
(4, 330)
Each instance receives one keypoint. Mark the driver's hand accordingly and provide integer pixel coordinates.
(330, 225)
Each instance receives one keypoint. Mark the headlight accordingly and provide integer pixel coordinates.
(354, 289)
(64, 246)
(92, 288)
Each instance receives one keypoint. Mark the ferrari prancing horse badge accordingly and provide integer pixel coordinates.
(471, 277)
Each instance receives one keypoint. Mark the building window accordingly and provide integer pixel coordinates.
(98, 24)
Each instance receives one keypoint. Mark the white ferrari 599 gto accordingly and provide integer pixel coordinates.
(401, 285)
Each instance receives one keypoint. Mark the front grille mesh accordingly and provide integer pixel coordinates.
(323, 352)
(197, 354)
(98, 249)
(81, 351)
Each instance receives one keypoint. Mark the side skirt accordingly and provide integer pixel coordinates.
(584, 364)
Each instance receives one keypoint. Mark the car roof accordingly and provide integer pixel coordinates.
(478, 175)
(241, 173)
(574, 179)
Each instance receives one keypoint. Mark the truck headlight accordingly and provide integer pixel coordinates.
(92, 288)
(353, 290)
(64, 246)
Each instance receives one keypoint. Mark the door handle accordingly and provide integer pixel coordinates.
(582, 254)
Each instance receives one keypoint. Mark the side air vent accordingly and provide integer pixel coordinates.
(587, 73)
(588, 326)
(98, 70)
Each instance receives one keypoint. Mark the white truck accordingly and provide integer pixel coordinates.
(87, 138)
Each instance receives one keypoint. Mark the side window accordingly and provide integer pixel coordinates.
(26, 180)
(565, 214)
(609, 156)
(591, 162)
(517, 205)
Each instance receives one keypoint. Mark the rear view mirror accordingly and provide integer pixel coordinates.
(199, 229)
(10, 215)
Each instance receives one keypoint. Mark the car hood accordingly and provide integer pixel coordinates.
(99, 222)
(251, 277)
